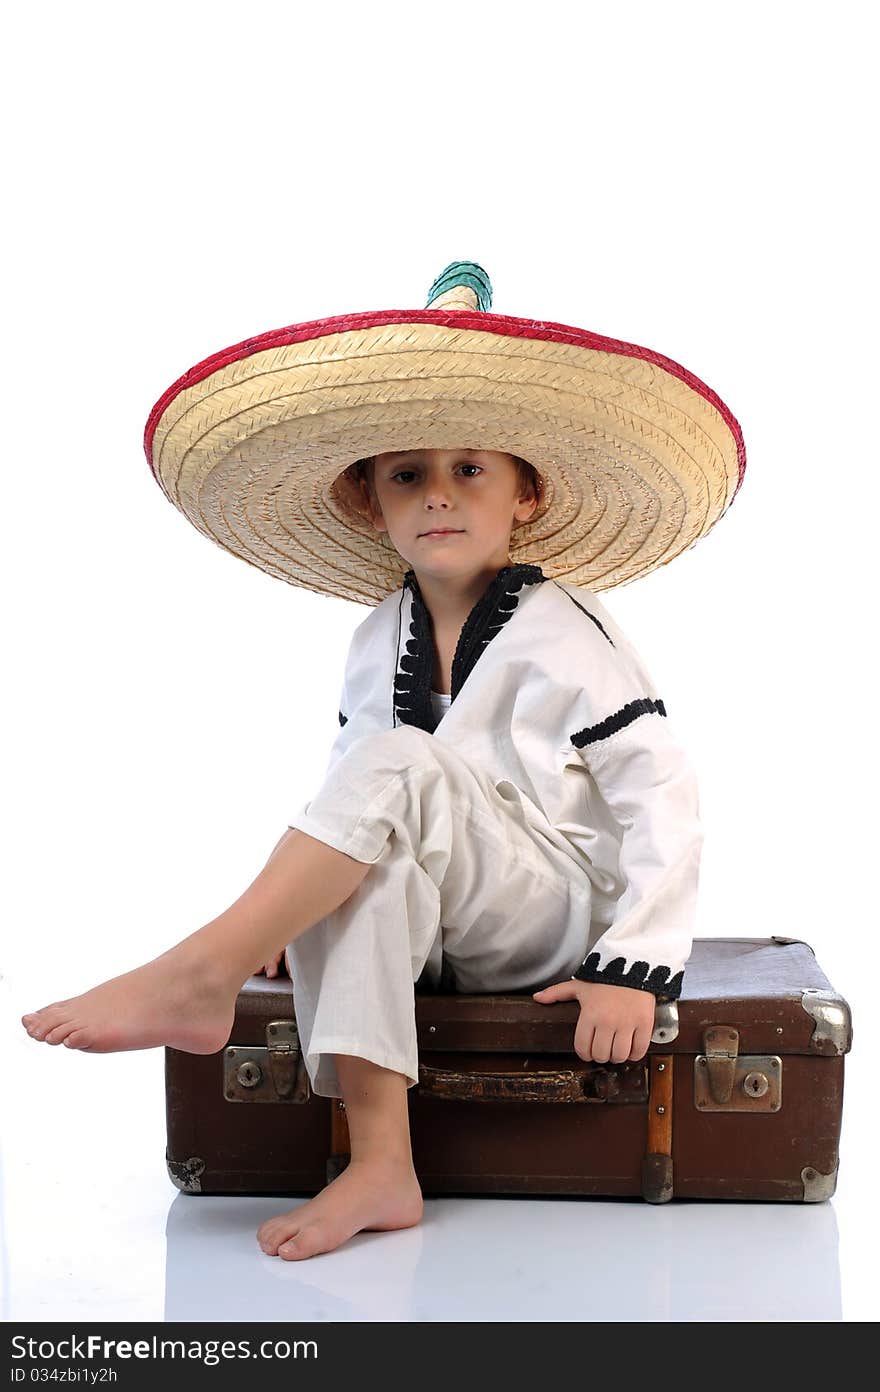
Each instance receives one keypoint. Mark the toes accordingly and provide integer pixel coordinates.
(40, 1030)
(79, 1039)
(36, 1023)
(60, 1032)
(305, 1244)
(271, 1239)
(39, 1022)
(278, 1229)
(289, 1251)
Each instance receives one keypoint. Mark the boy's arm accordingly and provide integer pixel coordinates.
(651, 789)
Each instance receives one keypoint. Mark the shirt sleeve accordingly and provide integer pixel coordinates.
(647, 782)
(361, 709)
(365, 705)
(650, 788)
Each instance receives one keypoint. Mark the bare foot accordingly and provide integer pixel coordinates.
(369, 1194)
(172, 1000)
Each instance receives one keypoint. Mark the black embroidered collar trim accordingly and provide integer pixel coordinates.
(637, 977)
(488, 616)
(412, 683)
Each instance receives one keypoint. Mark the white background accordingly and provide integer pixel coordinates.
(691, 178)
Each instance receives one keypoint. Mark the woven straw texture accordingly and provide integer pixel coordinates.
(638, 458)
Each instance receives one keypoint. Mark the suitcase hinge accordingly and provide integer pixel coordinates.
(721, 1046)
(282, 1049)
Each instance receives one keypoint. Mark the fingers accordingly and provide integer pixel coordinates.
(561, 991)
(612, 1046)
(274, 966)
(604, 1045)
(641, 1042)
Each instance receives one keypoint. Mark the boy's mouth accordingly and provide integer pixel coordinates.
(442, 531)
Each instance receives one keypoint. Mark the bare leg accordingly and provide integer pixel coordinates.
(378, 1189)
(185, 998)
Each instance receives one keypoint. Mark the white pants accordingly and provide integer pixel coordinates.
(456, 874)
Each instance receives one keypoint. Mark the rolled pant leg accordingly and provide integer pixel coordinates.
(453, 869)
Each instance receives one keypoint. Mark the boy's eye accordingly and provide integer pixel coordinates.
(400, 472)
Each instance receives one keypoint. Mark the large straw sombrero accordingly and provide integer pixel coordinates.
(257, 445)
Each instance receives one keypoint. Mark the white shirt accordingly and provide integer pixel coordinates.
(549, 696)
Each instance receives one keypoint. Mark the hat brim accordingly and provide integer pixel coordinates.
(638, 457)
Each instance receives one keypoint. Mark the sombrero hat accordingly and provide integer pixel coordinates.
(257, 445)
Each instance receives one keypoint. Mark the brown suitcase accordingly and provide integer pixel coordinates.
(740, 1095)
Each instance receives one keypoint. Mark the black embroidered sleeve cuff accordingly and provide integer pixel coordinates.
(637, 978)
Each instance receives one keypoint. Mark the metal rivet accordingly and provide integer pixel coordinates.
(774, 1063)
(230, 1053)
(702, 1063)
(778, 1029)
(661, 1110)
(432, 1029)
(660, 1067)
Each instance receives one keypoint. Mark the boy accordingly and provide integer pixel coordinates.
(186, 997)
(505, 805)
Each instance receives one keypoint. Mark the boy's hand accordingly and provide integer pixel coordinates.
(615, 1023)
(276, 967)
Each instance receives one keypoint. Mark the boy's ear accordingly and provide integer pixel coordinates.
(372, 509)
(525, 506)
(352, 492)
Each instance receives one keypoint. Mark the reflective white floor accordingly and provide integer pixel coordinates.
(92, 1228)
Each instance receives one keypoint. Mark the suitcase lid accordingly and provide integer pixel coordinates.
(771, 990)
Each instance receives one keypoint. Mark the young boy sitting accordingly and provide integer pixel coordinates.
(442, 835)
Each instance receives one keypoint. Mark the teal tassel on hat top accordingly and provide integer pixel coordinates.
(463, 285)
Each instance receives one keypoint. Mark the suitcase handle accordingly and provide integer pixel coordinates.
(592, 1083)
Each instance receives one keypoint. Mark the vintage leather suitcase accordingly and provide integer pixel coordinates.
(739, 1097)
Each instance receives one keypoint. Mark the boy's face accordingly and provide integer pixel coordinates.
(474, 492)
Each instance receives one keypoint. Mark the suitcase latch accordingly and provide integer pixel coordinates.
(276, 1073)
(727, 1081)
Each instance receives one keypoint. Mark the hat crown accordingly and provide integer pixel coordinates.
(462, 285)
